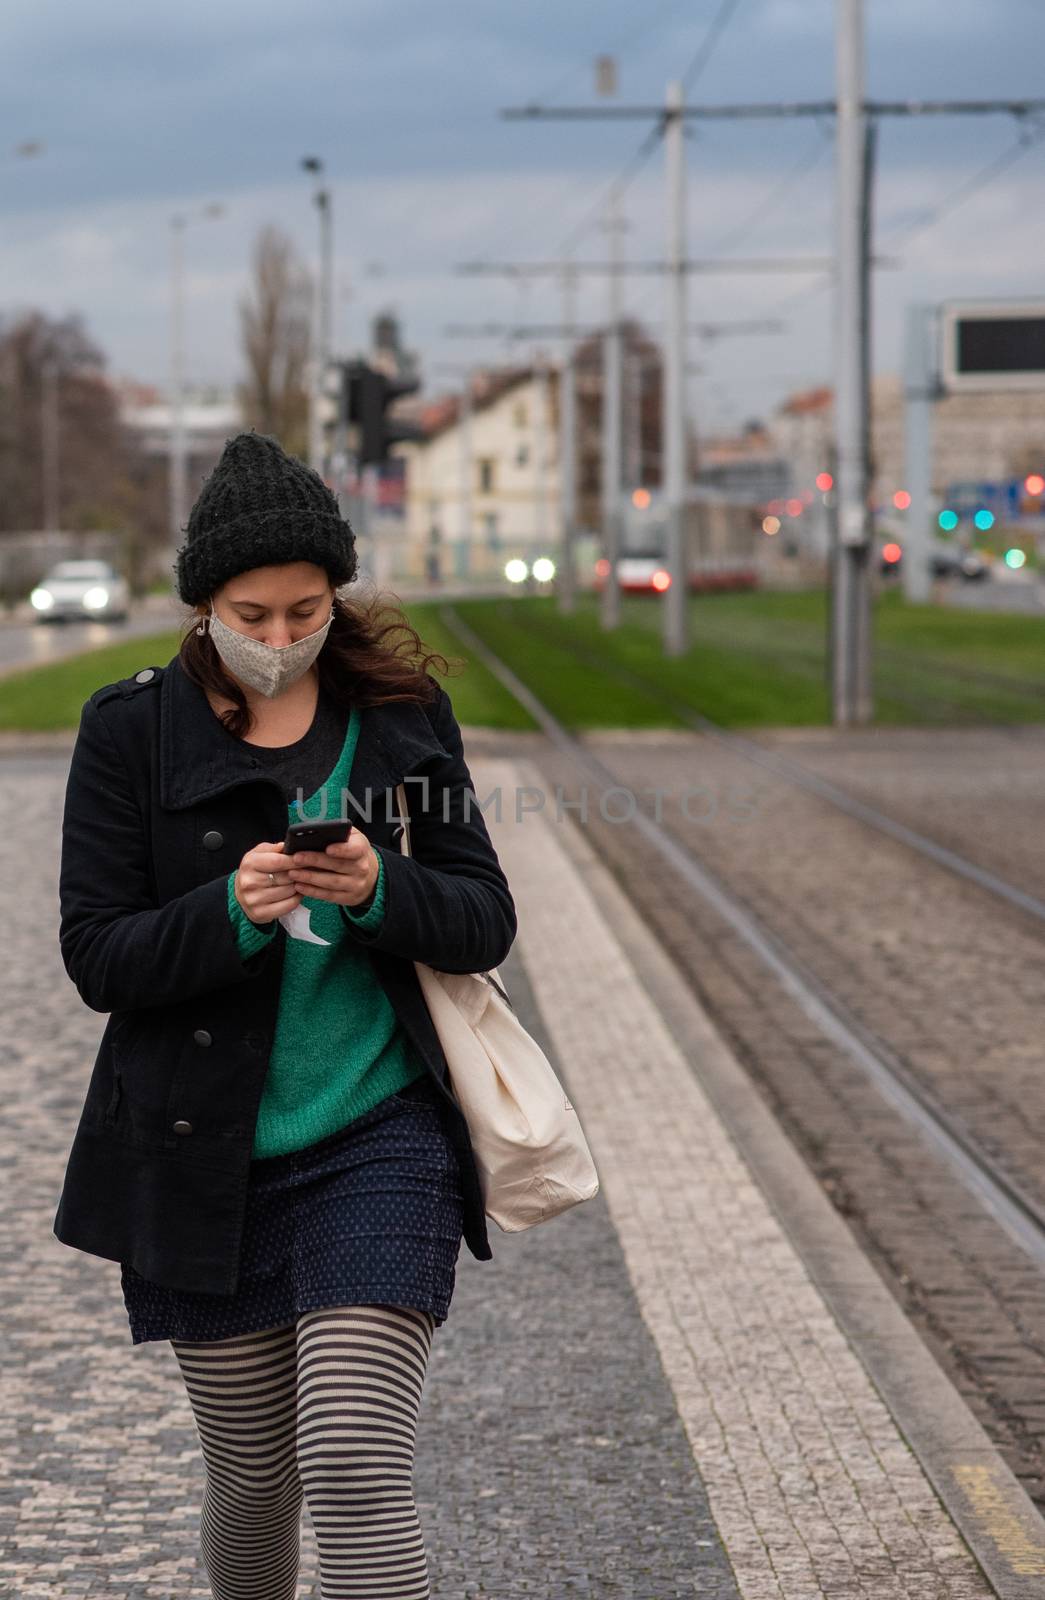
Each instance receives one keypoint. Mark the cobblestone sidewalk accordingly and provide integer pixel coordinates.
(811, 1485)
(646, 1398)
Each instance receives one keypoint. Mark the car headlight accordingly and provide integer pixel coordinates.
(41, 599)
(95, 599)
(543, 569)
(515, 570)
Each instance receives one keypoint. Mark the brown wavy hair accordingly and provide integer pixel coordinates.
(371, 655)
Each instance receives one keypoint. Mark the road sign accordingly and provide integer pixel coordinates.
(1007, 499)
(993, 345)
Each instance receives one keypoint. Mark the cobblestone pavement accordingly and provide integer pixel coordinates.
(551, 1461)
(978, 792)
(813, 1488)
(943, 972)
(646, 1398)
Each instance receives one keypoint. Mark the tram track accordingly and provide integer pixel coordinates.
(793, 772)
(1001, 1196)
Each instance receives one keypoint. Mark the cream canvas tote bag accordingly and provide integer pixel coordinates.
(530, 1149)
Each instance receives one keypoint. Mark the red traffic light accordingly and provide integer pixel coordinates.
(1034, 485)
(824, 482)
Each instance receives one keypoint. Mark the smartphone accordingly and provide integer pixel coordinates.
(315, 835)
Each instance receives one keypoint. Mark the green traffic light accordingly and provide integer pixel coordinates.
(948, 521)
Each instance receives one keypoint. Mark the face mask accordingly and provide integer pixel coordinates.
(268, 668)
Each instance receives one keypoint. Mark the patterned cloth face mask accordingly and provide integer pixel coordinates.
(268, 668)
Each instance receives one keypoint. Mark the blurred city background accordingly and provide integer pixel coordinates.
(560, 306)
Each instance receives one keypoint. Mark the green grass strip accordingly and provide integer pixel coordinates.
(49, 698)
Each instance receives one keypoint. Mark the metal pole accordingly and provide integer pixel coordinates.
(540, 455)
(49, 442)
(611, 424)
(318, 325)
(324, 203)
(567, 584)
(178, 452)
(920, 380)
(850, 600)
(863, 669)
(315, 430)
(676, 614)
(466, 469)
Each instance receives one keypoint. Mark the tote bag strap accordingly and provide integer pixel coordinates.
(404, 846)
(404, 818)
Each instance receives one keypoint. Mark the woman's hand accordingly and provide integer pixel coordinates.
(345, 874)
(260, 898)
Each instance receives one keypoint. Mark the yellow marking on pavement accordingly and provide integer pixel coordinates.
(1018, 1543)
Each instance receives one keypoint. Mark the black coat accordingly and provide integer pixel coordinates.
(160, 806)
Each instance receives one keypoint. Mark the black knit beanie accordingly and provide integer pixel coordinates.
(260, 507)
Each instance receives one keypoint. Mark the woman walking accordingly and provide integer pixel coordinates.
(269, 1144)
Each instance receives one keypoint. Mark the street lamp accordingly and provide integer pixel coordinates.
(322, 314)
(178, 481)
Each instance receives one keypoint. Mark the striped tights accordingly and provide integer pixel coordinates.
(322, 1411)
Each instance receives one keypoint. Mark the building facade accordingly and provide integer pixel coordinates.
(483, 484)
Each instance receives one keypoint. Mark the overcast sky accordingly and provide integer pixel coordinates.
(144, 112)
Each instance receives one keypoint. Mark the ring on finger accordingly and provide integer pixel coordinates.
(272, 879)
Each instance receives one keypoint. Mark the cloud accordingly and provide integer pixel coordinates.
(146, 112)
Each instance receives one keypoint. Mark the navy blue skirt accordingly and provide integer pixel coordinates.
(371, 1215)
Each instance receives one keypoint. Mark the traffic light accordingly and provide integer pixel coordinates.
(366, 395)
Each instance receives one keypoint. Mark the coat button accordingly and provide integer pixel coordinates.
(212, 840)
(144, 676)
(201, 1036)
(183, 1127)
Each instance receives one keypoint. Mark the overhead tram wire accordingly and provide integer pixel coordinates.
(719, 24)
(653, 137)
(618, 47)
(651, 140)
(972, 185)
(807, 162)
(1030, 136)
(617, 188)
(779, 191)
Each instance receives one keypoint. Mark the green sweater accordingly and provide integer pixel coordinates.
(338, 1047)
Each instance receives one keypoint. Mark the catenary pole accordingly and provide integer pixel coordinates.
(920, 388)
(322, 316)
(849, 652)
(324, 203)
(466, 471)
(50, 437)
(566, 587)
(675, 614)
(612, 365)
(850, 596)
(177, 484)
(542, 410)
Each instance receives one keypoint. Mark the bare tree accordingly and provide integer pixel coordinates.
(274, 323)
(66, 459)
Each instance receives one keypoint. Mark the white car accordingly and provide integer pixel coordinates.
(81, 590)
